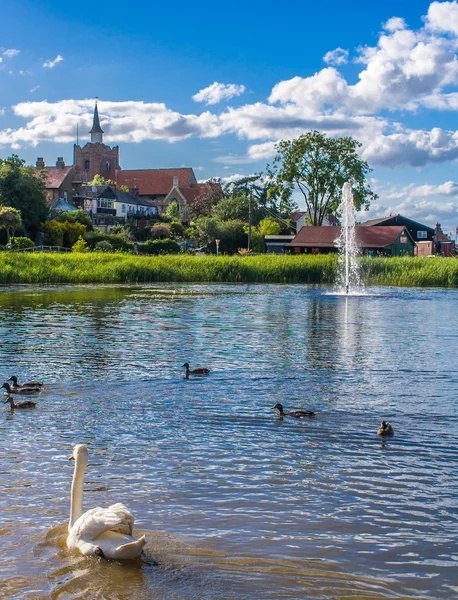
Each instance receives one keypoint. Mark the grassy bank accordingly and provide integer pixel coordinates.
(125, 268)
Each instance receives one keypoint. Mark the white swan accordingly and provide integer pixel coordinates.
(104, 532)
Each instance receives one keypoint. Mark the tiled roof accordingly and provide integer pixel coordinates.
(367, 237)
(194, 191)
(155, 181)
(297, 215)
(55, 176)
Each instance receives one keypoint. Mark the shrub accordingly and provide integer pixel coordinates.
(62, 234)
(17, 243)
(117, 241)
(80, 246)
(159, 247)
(104, 246)
(160, 231)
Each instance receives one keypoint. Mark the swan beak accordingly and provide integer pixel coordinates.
(71, 458)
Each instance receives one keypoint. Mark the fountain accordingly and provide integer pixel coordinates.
(348, 278)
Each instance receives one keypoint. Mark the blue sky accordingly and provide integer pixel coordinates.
(214, 86)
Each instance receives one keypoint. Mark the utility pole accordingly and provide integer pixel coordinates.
(250, 216)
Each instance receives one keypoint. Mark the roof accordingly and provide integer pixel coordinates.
(397, 219)
(367, 237)
(96, 122)
(297, 215)
(55, 176)
(63, 205)
(156, 182)
(98, 191)
(196, 190)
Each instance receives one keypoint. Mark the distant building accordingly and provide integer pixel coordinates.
(382, 240)
(418, 231)
(155, 188)
(300, 218)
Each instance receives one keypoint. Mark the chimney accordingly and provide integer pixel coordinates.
(134, 191)
(438, 229)
(40, 163)
(60, 164)
(175, 181)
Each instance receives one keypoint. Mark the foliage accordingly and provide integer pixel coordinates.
(103, 246)
(80, 246)
(117, 240)
(100, 180)
(159, 247)
(176, 228)
(62, 234)
(236, 207)
(18, 243)
(19, 267)
(319, 166)
(10, 220)
(258, 234)
(172, 211)
(78, 216)
(209, 197)
(22, 188)
(262, 192)
(230, 233)
(160, 231)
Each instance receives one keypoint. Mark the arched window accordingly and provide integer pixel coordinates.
(107, 166)
(86, 165)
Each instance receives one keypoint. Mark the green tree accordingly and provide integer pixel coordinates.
(80, 246)
(266, 227)
(100, 180)
(237, 207)
(319, 166)
(172, 211)
(22, 188)
(77, 216)
(10, 219)
(160, 231)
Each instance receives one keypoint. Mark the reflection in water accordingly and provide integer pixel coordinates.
(235, 503)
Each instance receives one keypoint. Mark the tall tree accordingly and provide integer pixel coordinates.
(23, 189)
(10, 219)
(210, 195)
(319, 166)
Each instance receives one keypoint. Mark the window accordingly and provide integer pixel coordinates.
(86, 165)
(65, 195)
(422, 235)
(107, 166)
(104, 203)
(123, 208)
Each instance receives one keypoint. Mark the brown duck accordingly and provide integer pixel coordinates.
(200, 371)
(385, 429)
(23, 404)
(23, 390)
(297, 414)
(28, 384)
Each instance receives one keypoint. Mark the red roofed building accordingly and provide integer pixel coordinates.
(58, 181)
(386, 240)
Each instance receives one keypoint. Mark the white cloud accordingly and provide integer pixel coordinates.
(34, 89)
(394, 24)
(50, 64)
(216, 92)
(339, 56)
(11, 52)
(442, 17)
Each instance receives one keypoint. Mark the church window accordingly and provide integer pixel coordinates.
(86, 165)
(107, 166)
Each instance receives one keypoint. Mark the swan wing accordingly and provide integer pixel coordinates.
(96, 521)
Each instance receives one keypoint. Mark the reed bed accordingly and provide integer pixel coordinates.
(100, 267)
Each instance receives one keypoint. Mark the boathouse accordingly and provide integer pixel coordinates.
(379, 241)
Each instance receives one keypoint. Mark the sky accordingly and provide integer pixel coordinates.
(214, 86)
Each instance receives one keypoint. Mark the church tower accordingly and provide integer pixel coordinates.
(95, 158)
(96, 131)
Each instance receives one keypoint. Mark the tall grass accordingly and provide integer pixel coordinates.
(125, 268)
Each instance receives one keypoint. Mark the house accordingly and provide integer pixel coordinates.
(163, 186)
(418, 231)
(58, 180)
(106, 205)
(300, 219)
(381, 240)
(275, 244)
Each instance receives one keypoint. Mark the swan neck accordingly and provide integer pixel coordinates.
(76, 500)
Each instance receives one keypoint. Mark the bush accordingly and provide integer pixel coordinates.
(80, 246)
(160, 231)
(62, 234)
(77, 216)
(159, 247)
(104, 246)
(117, 240)
(17, 243)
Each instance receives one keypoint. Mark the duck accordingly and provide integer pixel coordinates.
(23, 390)
(101, 532)
(201, 371)
(385, 429)
(28, 384)
(297, 414)
(23, 404)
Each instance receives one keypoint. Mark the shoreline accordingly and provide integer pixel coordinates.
(99, 267)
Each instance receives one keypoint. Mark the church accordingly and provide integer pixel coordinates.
(150, 191)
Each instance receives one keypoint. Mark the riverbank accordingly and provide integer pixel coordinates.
(268, 268)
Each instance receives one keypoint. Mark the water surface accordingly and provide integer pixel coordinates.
(235, 502)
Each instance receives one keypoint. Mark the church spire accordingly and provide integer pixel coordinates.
(96, 131)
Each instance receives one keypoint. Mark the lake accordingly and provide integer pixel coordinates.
(235, 502)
